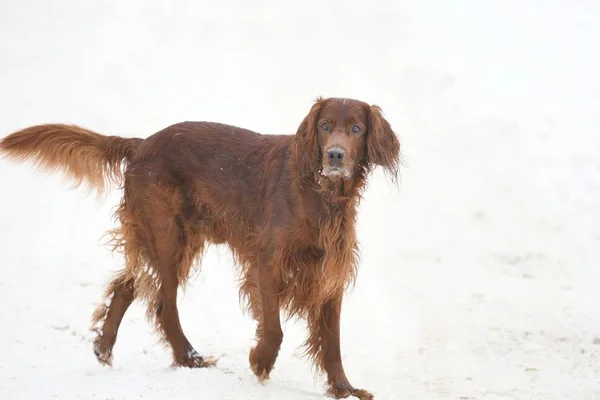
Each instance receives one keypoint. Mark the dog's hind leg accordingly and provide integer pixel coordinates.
(172, 249)
(122, 289)
(167, 312)
(108, 316)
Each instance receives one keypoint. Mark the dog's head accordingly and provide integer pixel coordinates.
(342, 138)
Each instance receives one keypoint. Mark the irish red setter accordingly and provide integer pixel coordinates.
(284, 204)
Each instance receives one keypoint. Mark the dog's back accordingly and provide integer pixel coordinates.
(223, 173)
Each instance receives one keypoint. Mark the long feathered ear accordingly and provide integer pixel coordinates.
(306, 146)
(383, 147)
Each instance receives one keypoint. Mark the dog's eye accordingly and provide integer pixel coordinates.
(355, 128)
(325, 126)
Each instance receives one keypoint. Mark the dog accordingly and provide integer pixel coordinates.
(286, 206)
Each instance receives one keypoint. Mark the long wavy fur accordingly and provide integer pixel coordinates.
(81, 154)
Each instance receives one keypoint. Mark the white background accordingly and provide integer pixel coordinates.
(479, 276)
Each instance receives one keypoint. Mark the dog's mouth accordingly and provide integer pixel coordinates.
(335, 171)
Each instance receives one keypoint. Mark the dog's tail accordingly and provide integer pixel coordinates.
(81, 154)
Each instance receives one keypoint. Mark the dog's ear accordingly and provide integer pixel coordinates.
(383, 147)
(306, 149)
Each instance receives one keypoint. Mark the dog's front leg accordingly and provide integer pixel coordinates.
(324, 347)
(268, 332)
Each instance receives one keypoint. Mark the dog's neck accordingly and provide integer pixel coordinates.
(336, 195)
(328, 198)
(338, 192)
(334, 199)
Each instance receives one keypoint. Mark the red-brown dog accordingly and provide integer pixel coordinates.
(285, 205)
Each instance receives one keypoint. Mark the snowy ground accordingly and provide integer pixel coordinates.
(480, 276)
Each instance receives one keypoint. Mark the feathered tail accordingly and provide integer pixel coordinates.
(83, 155)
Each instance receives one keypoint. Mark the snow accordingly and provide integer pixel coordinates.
(479, 276)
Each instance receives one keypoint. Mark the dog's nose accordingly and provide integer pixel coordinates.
(335, 155)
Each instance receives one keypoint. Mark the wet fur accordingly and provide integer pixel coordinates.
(291, 231)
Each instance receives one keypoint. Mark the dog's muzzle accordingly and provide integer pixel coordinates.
(335, 165)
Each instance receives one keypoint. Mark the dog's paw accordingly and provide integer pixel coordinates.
(261, 372)
(341, 391)
(259, 365)
(102, 351)
(191, 359)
